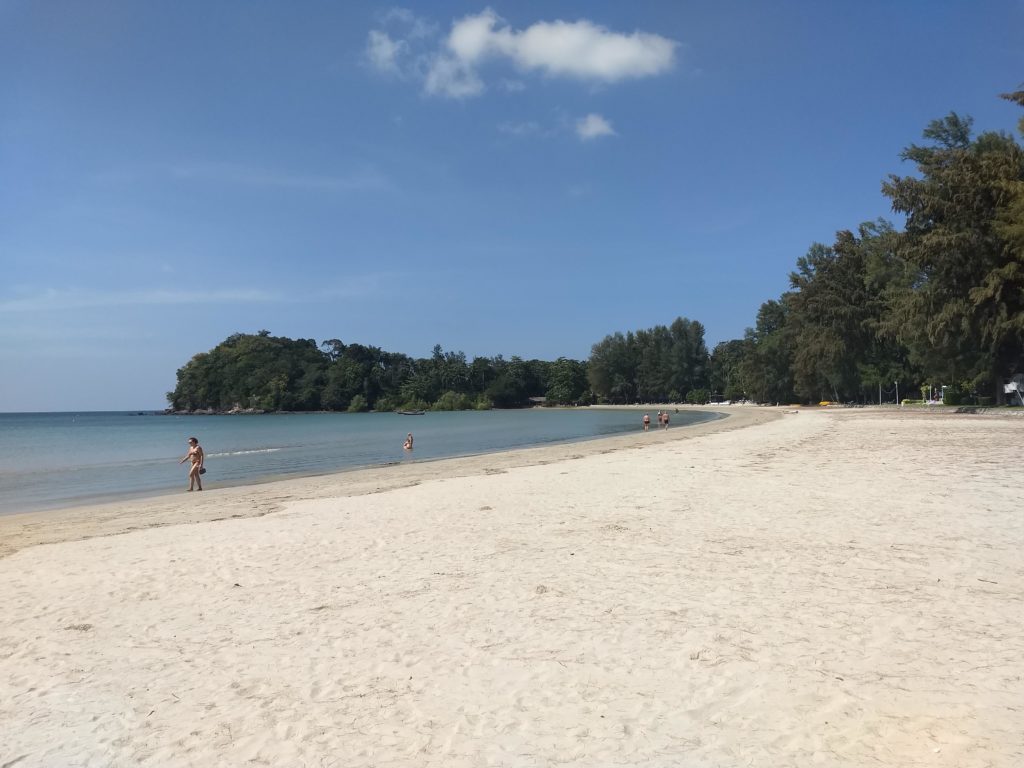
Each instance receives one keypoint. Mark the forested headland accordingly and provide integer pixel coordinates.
(938, 303)
(273, 373)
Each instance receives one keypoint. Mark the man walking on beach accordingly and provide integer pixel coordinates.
(647, 421)
(195, 453)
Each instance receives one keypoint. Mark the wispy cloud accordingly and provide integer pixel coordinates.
(593, 126)
(449, 76)
(58, 300)
(578, 50)
(385, 54)
(399, 48)
(586, 128)
(416, 27)
(260, 177)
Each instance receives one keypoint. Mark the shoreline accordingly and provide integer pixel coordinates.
(820, 587)
(260, 497)
(112, 490)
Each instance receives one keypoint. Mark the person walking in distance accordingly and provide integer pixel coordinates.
(195, 453)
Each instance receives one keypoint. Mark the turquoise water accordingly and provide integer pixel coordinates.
(50, 460)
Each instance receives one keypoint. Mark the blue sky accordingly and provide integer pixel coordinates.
(519, 178)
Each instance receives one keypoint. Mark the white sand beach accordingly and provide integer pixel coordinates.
(781, 588)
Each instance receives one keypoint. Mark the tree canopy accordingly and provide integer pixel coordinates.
(660, 364)
(964, 312)
(939, 303)
(272, 373)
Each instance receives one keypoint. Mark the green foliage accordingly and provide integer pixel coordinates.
(452, 401)
(959, 394)
(649, 365)
(387, 403)
(414, 405)
(841, 316)
(942, 301)
(567, 382)
(1010, 220)
(964, 313)
(698, 397)
(252, 371)
(516, 382)
(264, 372)
(725, 362)
(766, 370)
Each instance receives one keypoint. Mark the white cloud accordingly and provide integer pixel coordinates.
(383, 53)
(449, 76)
(586, 51)
(579, 50)
(593, 126)
(474, 37)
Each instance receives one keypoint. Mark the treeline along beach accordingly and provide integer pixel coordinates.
(936, 306)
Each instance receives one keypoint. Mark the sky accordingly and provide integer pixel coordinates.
(514, 178)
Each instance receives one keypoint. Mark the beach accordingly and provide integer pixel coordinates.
(784, 587)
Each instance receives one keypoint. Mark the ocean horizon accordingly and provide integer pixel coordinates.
(52, 460)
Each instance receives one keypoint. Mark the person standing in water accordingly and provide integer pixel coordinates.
(195, 453)
(647, 421)
(408, 442)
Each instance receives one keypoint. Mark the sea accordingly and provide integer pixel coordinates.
(54, 460)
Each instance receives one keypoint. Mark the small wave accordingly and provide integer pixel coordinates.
(246, 453)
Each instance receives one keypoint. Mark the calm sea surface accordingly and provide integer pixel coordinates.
(50, 460)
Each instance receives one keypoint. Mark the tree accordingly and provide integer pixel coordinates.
(687, 360)
(839, 306)
(650, 364)
(610, 369)
(766, 369)
(964, 315)
(724, 365)
(567, 382)
(514, 385)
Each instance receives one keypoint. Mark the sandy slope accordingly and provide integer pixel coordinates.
(828, 588)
